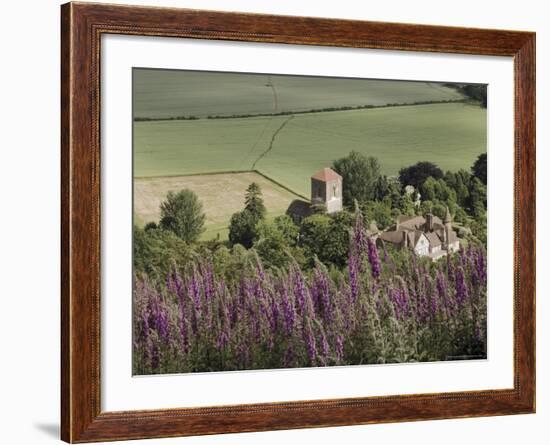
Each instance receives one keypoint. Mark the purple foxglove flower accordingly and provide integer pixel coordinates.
(373, 258)
(460, 287)
(288, 310)
(162, 323)
(320, 287)
(300, 291)
(353, 269)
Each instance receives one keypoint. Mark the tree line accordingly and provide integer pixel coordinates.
(417, 189)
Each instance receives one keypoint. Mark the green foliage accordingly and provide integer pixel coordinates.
(253, 201)
(242, 228)
(150, 225)
(459, 182)
(289, 230)
(318, 209)
(479, 229)
(405, 205)
(272, 245)
(479, 169)
(416, 174)
(231, 262)
(156, 250)
(379, 212)
(433, 189)
(327, 238)
(476, 92)
(428, 189)
(478, 198)
(182, 214)
(359, 175)
(439, 210)
(381, 189)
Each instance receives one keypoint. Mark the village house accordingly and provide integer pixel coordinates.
(426, 236)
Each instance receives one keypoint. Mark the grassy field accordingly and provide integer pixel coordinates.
(168, 94)
(221, 195)
(450, 135)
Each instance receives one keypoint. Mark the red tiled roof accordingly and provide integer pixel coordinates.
(326, 174)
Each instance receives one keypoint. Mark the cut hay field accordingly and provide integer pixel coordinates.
(173, 93)
(450, 135)
(221, 195)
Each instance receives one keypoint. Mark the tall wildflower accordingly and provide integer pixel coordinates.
(481, 266)
(374, 260)
(399, 298)
(460, 287)
(300, 291)
(321, 288)
(353, 270)
(288, 309)
(161, 322)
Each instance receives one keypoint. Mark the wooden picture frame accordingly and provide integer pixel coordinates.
(82, 26)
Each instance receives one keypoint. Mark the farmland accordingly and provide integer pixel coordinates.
(220, 194)
(168, 94)
(190, 125)
(450, 135)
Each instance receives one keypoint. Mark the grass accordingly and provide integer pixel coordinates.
(221, 195)
(450, 135)
(171, 93)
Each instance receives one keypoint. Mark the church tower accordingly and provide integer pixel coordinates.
(326, 189)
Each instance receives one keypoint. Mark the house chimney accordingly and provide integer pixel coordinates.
(405, 239)
(429, 222)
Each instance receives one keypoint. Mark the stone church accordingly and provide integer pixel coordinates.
(326, 190)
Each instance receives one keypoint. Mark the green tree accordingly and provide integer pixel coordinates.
(156, 251)
(459, 182)
(272, 245)
(416, 174)
(439, 209)
(478, 198)
(428, 189)
(253, 201)
(359, 176)
(381, 188)
(287, 227)
(242, 228)
(479, 169)
(327, 238)
(378, 212)
(182, 214)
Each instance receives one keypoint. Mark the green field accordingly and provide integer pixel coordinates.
(171, 93)
(171, 153)
(450, 135)
(221, 196)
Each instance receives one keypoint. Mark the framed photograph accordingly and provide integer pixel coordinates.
(274, 222)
